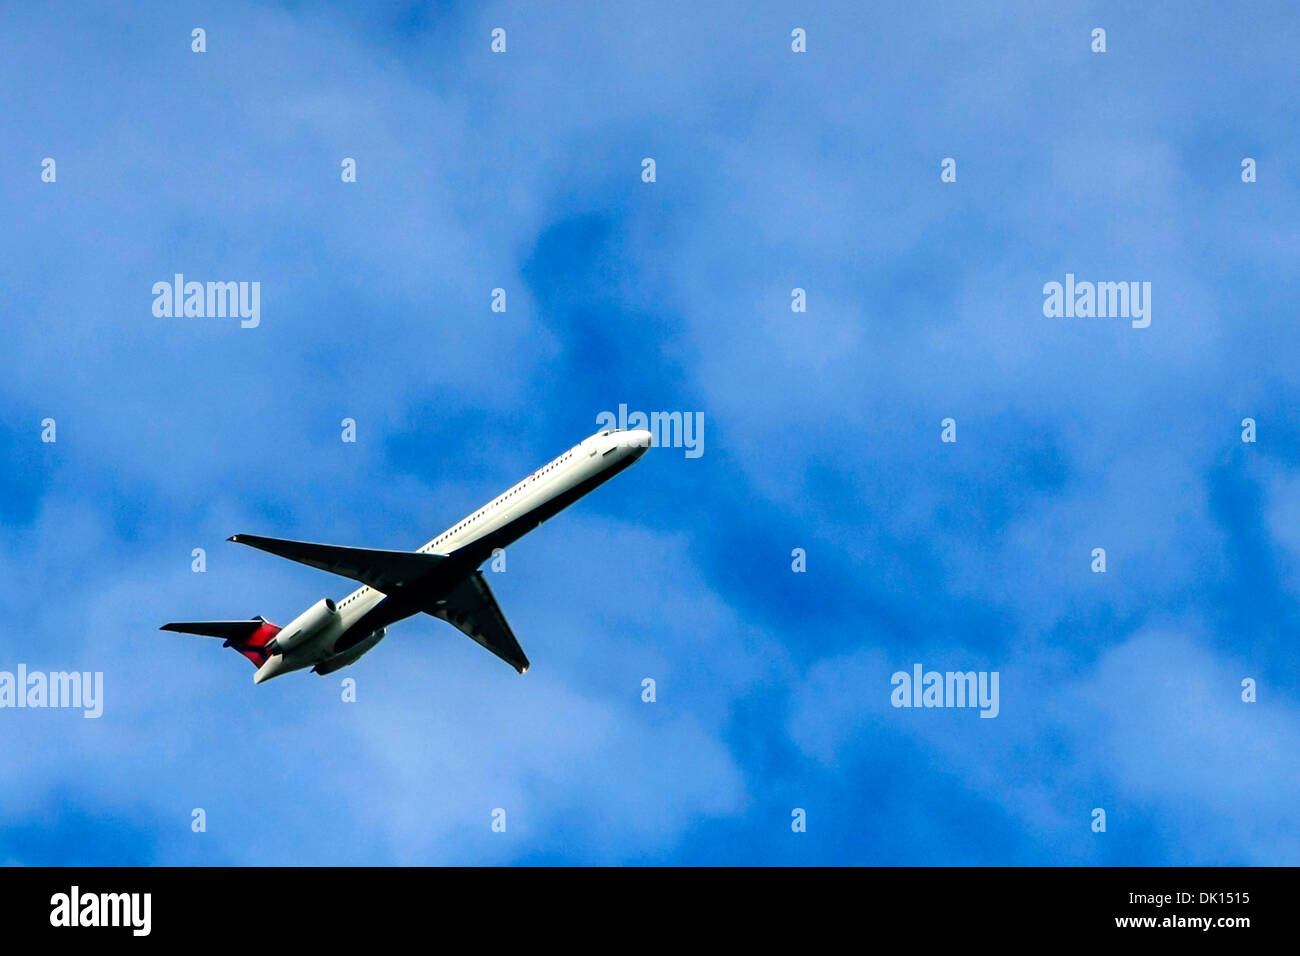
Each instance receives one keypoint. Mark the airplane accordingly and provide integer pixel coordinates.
(441, 578)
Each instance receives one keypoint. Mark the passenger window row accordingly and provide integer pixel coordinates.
(515, 490)
(352, 597)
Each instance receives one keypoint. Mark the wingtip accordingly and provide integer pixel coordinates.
(234, 537)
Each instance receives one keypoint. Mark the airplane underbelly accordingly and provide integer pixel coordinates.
(317, 647)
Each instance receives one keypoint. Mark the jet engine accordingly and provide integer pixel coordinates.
(351, 654)
(322, 619)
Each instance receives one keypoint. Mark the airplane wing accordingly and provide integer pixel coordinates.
(471, 608)
(385, 571)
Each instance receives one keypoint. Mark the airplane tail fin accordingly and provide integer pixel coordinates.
(248, 637)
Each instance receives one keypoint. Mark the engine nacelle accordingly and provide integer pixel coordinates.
(350, 655)
(322, 619)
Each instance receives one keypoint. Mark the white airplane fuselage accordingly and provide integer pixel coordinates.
(341, 631)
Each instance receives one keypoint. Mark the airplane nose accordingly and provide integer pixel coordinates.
(639, 438)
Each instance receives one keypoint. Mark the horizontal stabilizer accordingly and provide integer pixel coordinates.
(226, 630)
(250, 637)
(385, 571)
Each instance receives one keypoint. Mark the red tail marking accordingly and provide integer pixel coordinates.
(252, 648)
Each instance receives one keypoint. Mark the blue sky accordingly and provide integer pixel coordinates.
(775, 170)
